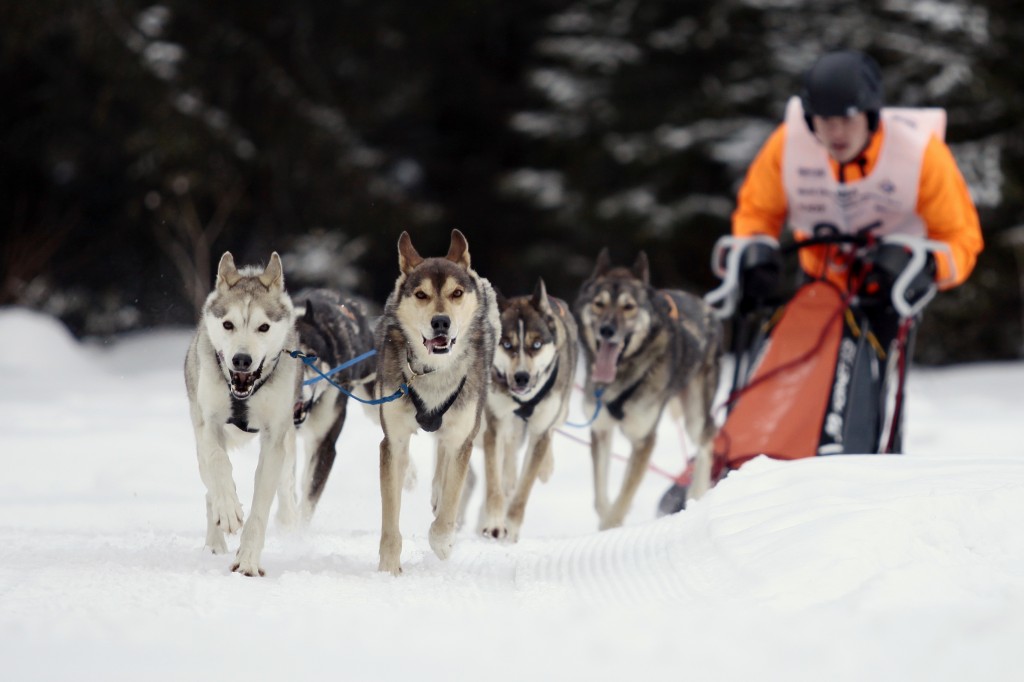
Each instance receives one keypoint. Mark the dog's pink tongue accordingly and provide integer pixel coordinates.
(605, 362)
(436, 341)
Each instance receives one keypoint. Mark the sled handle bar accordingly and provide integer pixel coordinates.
(919, 249)
(727, 255)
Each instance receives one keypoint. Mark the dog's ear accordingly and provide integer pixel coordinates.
(641, 269)
(408, 258)
(499, 298)
(458, 251)
(273, 274)
(310, 314)
(540, 297)
(227, 273)
(603, 263)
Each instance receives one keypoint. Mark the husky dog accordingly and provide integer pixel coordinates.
(531, 384)
(645, 347)
(335, 329)
(436, 338)
(239, 383)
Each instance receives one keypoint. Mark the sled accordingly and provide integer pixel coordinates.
(810, 378)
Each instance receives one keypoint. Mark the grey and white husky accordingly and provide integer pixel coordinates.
(335, 328)
(436, 337)
(643, 348)
(534, 365)
(240, 383)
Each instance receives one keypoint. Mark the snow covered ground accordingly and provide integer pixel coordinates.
(846, 568)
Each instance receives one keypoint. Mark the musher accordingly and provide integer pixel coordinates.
(843, 159)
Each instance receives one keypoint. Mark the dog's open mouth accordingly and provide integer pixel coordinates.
(605, 362)
(516, 389)
(244, 383)
(300, 410)
(439, 344)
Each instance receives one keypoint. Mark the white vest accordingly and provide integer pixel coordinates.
(888, 195)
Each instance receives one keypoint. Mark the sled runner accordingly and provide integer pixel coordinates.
(817, 376)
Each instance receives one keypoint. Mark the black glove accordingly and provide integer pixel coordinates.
(760, 273)
(882, 265)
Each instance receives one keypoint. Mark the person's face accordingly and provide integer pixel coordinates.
(843, 136)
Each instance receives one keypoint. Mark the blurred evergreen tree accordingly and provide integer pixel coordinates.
(140, 140)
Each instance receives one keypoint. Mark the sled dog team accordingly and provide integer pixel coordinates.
(453, 358)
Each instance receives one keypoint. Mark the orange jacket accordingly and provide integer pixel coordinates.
(943, 203)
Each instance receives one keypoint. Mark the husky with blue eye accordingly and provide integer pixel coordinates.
(532, 383)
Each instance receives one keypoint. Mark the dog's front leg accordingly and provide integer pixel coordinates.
(394, 458)
(635, 470)
(492, 522)
(442, 530)
(215, 540)
(547, 465)
(537, 451)
(440, 471)
(701, 427)
(223, 510)
(600, 453)
(287, 510)
(277, 445)
(512, 438)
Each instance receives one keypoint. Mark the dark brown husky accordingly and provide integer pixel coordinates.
(643, 348)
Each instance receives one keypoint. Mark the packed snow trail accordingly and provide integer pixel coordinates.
(842, 568)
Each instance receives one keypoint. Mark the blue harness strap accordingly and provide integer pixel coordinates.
(598, 393)
(309, 361)
(324, 375)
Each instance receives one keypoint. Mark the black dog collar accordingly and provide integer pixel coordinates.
(526, 408)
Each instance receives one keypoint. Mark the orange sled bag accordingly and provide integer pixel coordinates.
(813, 391)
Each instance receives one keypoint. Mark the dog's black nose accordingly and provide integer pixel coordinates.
(440, 324)
(241, 362)
(521, 378)
(606, 331)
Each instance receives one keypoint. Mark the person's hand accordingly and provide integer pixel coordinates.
(760, 273)
(882, 264)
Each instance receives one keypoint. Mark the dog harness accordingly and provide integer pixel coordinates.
(616, 407)
(526, 408)
(673, 309)
(430, 420)
(240, 415)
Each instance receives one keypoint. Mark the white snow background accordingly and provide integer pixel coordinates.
(843, 568)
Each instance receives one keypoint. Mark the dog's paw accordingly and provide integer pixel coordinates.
(247, 563)
(226, 513)
(250, 570)
(442, 539)
(215, 542)
(492, 526)
(609, 521)
(390, 565)
(390, 553)
(494, 532)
